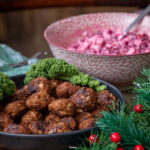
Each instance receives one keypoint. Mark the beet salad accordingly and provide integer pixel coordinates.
(109, 42)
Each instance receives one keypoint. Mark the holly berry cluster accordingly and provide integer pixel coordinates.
(132, 119)
(115, 138)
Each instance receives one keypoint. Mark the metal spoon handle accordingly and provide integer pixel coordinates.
(139, 18)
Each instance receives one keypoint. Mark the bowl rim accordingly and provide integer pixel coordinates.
(89, 14)
(47, 135)
(122, 100)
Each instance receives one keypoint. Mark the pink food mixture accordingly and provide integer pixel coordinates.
(108, 42)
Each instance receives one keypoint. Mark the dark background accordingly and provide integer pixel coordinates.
(22, 22)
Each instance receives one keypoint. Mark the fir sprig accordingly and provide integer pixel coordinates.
(103, 144)
(142, 120)
(142, 87)
(133, 127)
(124, 123)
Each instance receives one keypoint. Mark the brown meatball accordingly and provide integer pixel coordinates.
(66, 89)
(97, 112)
(52, 99)
(106, 98)
(31, 115)
(37, 127)
(15, 109)
(54, 83)
(112, 98)
(5, 120)
(70, 121)
(87, 123)
(16, 129)
(83, 116)
(39, 84)
(51, 118)
(38, 101)
(21, 94)
(85, 99)
(103, 96)
(60, 127)
(62, 107)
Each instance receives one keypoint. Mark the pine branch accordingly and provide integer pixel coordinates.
(124, 124)
(141, 120)
(103, 144)
(133, 127)
(142, 87)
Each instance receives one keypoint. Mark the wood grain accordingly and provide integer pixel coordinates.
(24, 4)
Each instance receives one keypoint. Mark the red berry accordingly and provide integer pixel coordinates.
(115, 137)
(138, 108)
(139, 147)
(93, 139)
(120, 149)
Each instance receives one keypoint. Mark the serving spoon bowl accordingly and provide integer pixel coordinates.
(120, 70)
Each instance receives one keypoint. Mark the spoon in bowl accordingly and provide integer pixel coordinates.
(138, 19)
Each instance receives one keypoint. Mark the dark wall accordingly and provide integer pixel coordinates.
(23, 29)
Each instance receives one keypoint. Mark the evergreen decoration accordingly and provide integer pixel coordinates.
(93, 138)
(132, 122)
(142, 88)
(104, 143)
(126, 123)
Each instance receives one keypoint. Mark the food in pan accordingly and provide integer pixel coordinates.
(72, 112)
(5, 120)
(51, 118)
(16, 129)
(37, 127)
(38, 101)
(60, 127)
(83, 116)
(66, 89)
(22, 94)
(39, 84)
(31, 115)
(87, 123)
(15, 108)
(48, 106)
(62, 107)
(70, 121)
(85, 99)
(97, 112)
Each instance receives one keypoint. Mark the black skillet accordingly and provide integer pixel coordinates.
(48, 142)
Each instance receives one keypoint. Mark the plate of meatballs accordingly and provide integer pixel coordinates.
(51, 114)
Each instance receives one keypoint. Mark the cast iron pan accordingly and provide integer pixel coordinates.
(60, 141)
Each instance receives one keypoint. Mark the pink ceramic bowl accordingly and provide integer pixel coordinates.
(118, 70)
